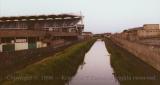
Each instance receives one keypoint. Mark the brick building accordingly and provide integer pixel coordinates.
(146, 32)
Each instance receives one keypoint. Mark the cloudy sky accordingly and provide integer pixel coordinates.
(100, 15)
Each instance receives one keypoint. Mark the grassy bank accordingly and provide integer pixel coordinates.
(128, 69)
(54, 70)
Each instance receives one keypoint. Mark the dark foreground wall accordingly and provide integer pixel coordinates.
(148, 54)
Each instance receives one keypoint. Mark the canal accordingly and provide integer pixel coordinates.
(104, 64)
(108, 64)
(96, 68)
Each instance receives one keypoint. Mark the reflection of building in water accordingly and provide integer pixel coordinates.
(27, 32)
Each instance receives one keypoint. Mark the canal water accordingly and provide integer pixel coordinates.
(96, 68)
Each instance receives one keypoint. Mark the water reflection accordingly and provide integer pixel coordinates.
(129, 70)
(96, 69)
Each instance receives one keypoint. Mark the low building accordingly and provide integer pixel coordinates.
(151, 26)
(145, 32)
(107, 34)
(149, 31)
(87, 35)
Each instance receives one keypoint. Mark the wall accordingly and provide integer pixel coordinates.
(39, 44)
(151, 26)
(21, 46)
(24, 45)
(1, 48)
(19, 59)
(148, 33)
(146, 53)
(7, 47)
(55, 43)
(44, 44)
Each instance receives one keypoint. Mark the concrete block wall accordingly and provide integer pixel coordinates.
(1, 48)
(148, 54)
(21, 46)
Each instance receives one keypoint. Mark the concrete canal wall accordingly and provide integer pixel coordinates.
(147, 53)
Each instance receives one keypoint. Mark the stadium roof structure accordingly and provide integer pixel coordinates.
(40, 17)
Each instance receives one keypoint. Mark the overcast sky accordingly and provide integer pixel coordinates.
(100, 15)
